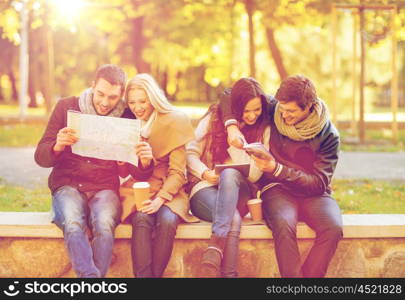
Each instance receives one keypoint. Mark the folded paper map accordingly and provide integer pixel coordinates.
(104, 137)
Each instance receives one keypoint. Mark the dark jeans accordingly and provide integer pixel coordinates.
(152, 241)
(282, 211)
(75, 214)
(219, 205)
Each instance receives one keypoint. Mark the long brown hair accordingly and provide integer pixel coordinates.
(244, 90)
(217, 143)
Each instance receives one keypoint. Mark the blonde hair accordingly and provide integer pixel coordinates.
(155, 95)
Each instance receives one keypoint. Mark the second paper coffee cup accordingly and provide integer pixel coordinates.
(255, 209)
(141, 193)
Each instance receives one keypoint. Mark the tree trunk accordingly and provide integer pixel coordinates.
(14, 94)
(232, 29)
(249, 5)
(1, 94)
(47, 62)
(276, 53)
(164, 81)
(32, 90)
(32, 76)
(362, 125)
(138, 44)
(177, 78)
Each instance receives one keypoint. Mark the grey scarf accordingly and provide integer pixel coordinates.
(307, 128)
(87, 107)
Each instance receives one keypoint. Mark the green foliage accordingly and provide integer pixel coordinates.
(196, 48)
(9, 22)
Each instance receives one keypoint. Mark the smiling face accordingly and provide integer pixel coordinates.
(252, 111)
(105, 96)
(139, 104)
(292, 113)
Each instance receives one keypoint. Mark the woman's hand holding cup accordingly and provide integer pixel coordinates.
(152, 206)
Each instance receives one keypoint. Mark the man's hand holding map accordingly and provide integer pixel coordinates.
(104, 137)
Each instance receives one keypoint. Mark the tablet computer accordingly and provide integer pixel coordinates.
(243, 168)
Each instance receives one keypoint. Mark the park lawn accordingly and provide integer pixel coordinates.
(21, 135)
(369, 196)
(376, 141)
(28, 135)
(15, 198)
(12, 110)
(353, 197)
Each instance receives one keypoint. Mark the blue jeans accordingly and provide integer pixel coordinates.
(75, 214)
(152, 241)
(219, 205)
(282, 211)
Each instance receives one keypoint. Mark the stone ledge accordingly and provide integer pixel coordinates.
(373, 246)
(38, 225)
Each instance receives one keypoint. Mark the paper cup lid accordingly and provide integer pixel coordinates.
(140, 185)
(254, 201)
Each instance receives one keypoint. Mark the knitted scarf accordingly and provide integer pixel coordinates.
(87, 107)
(307, 128)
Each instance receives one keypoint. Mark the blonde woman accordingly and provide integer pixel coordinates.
(166, 130)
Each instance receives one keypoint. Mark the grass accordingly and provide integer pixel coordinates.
(376, 141)
(28, 135)
(12, 110)
(194, 109)
(15, 198)
(21, 135)
(25, 135)
(373, 114)
(369, 196)
(353, 197)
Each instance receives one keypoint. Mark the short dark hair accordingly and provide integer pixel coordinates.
(297, 88)
(113, 74)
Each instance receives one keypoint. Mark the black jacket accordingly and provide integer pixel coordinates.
(85, 173)
(308, 166)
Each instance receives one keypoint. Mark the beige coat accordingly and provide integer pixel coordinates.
(169, 134)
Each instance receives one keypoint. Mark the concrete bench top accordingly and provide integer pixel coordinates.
(38, 224)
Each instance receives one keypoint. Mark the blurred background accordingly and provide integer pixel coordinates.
(197, 48)
(51, 48)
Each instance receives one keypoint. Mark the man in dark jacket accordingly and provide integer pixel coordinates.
(304, 147)
(85, 190)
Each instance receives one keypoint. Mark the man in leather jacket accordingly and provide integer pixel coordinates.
(295, 185)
